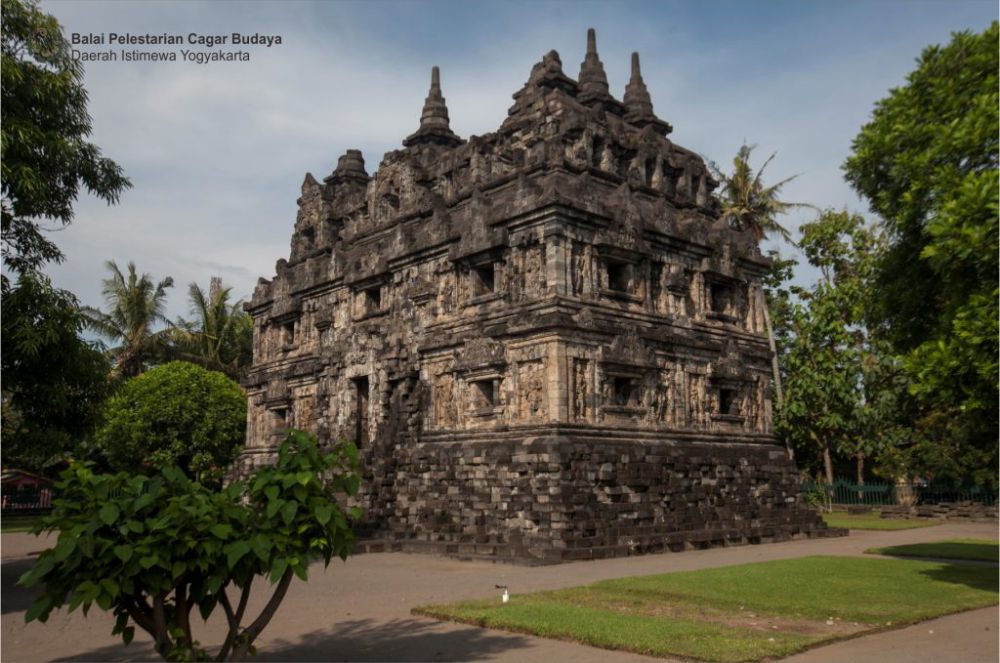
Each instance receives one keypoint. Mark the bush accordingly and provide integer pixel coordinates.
(151, 548)
(175, 414)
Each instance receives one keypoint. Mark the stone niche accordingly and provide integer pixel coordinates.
(545, 341)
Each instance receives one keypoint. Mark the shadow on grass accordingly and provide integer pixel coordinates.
(975, 576)
(355, 640)
(16, 598)
(949, 550)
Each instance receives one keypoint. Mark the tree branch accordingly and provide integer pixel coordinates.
(183, 610)
(141, 620)
(251, 632)
(233, 627)
(162, 635)
(233, 619)
(244, 598)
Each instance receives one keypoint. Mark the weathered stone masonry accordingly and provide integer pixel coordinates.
(546, 342)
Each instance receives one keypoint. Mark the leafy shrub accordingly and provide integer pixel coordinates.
(175, 414)
(151, 548)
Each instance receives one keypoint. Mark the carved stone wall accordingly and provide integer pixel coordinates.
(563, 284)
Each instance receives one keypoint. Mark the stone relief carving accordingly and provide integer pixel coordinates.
(480, 352)
(531, 390)
(581, 389)
(445, 408)
(583, 269)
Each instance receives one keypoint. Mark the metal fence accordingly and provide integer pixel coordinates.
(26, 501)
(844, 492)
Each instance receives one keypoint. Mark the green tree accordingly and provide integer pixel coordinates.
(843, 388)
(152, 548)
(53, 381)
(136, 306)
(778, 308)
(928, 164)
(220, 335)
(175, 414)
(44, 124)
(747, 203)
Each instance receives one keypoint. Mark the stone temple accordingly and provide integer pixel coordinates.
(545, 340)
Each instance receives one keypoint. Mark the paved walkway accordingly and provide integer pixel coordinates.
(360, 610)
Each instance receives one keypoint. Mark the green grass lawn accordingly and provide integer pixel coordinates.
(739, 613)
(19, 523)
(982, 550)
(873, 521)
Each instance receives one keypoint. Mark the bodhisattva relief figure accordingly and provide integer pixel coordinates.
(534, 277)
(515, 276)
(576, 259)
(445, 412)
(661, 399)
(536, 395)
(696, 394)
(608, 160)
(446, 298)
(581, 389)
(756, 415)
(607, 392)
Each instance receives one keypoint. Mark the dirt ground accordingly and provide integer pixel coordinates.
(360, 610)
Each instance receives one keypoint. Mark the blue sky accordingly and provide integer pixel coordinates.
(217, 152)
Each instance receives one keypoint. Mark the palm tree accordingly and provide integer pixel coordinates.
(136, 305)
(747, 203)
(220, 335)
(751, 206)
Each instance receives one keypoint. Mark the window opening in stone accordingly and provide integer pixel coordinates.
(309, 235)
(484, 279)
(618, 276)
(597, 153)
(288, 333)
(623, 391)
(670, 180)
(373, 299)
(728, 402)
(721, 296)
(279, 419)
(485, 393)
(361, 413)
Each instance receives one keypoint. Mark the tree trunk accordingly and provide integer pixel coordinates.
(828, 466)
(779, 395)
(245, 640)
(860, 458)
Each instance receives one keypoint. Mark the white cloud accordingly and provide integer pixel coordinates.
(217, 152)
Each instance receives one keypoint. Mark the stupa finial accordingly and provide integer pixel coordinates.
(638, 104)
(434, 122)
(593, 81)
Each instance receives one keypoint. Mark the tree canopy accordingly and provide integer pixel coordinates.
(44, 123)
(747, 202)
(135, 306)
(53, 381)
(175, 414)
(220, 334)
(842, 388)
(928, 164)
